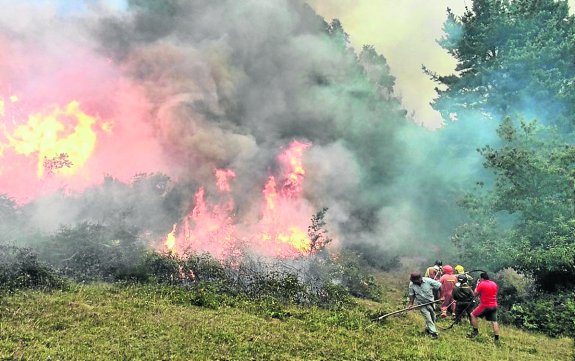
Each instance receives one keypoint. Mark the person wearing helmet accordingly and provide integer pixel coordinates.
(448, 281)
(464, 298)
(460, 270)
(420, 292)
(435, 272)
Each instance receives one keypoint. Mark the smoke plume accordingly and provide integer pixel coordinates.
(179, 89)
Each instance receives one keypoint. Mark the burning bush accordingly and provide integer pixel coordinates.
(264, 280)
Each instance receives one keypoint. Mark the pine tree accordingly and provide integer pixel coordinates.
(513, 57)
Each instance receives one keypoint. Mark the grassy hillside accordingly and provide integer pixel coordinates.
(115, 322)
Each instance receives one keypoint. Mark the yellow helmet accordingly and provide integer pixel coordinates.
(459, 269)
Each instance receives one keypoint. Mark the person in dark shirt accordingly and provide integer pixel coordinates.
(464, 298)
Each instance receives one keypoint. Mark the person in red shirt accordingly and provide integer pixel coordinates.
(448, 281)
(487, 292)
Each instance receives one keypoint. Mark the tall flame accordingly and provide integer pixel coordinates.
(280, 229)
(171, 241)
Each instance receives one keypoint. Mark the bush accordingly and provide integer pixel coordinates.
(553, 314)
(20, 269)
(93, 252)
(348, 270)
(271, 282)
(514, 287)
(525, 306)
(156, 268)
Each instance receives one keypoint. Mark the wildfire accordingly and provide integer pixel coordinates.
(278, 231)
(292, 160)
(223, 177)
(171, 241)
(62, 139)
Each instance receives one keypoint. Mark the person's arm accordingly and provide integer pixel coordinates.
(436, 284)
(411, 299)
(478, 288)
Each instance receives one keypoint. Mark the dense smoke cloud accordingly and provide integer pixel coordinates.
(192, 86)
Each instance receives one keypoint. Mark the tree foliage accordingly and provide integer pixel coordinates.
(512, 57)
(526, 219)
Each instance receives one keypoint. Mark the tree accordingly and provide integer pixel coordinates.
(377, 70)
(513, 57)
(526, 219)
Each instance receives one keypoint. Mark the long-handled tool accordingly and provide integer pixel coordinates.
(406, 309)
(458, 317)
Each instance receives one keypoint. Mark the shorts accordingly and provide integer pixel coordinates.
(489, 313)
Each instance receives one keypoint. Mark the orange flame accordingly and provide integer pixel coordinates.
(170, 242)
(53, 134)
(223, 177)
(292, 160)
(279, 230)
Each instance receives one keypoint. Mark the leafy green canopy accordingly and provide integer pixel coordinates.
(512, 57)
(527, 219)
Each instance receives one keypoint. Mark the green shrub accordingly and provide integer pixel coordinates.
(212, 282)
(348, 270)
(93, 252)
(21, 269)
(553, 314)
(155, 267)
(524, 305)
(514, 287)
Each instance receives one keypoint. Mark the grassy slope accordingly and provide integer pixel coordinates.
(107, 322)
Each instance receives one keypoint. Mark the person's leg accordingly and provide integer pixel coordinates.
(459, 309)
(491, 315)
(453, 306)
(435, 298)
(475, 325)
(474, 322)
(444, 306)
(429, 315)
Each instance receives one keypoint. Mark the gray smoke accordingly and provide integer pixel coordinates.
(230, 83)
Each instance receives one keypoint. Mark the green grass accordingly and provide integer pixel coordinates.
(115, 322)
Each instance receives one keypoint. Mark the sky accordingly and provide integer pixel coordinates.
(405, 32)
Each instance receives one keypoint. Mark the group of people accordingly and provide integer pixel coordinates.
(454, 291)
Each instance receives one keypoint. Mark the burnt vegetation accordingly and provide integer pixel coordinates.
(92, 252)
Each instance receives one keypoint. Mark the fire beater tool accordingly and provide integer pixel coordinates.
(406, 309)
